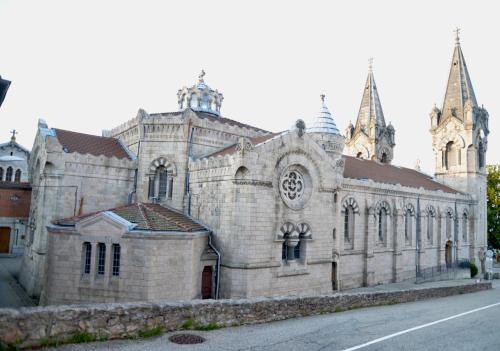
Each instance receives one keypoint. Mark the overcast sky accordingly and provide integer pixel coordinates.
(90, 65)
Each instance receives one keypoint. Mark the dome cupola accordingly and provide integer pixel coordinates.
(200, 97)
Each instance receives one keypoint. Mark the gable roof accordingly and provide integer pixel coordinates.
(356, 168)
(145, 216)
(91, 144)
(231, 149)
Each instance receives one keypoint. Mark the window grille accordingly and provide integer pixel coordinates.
(101, 258)
(116, 260)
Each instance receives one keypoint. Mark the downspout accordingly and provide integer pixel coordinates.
(190, 153)
(455, 234)
(217, 269)
(419, 235)
(134, 190)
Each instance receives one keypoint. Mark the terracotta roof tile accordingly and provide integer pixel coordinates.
(356, 168)
(91, 144)
(146, 216)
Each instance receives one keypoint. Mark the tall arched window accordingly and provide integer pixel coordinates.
(349, 209)
(17, 177)
(382, 224)
(464, 227)
(409, 213)
(431, 213)
(1, 174)
(449, 223)
(8, 175)
(450, 157)
(116, 260)
(304, 231)
(480, 155)
(286, 230)
(87, 257)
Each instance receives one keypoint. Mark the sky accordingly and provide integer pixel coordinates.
(90, 65)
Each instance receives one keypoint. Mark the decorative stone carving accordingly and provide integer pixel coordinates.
(243, 146)
(292, 186)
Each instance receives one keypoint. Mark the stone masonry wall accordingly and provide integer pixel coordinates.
(28, 327)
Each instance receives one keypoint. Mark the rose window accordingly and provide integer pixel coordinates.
(292, 186)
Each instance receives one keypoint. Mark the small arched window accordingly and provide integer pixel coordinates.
(8, 175)
(303, 232)
(161, 183)
(1, 174)
(204, 101)
(350, 208)
(17, 177)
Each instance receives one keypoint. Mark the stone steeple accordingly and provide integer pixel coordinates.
(459, 91)
(371, 138)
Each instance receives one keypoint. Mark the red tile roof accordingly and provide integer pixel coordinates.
(356, 168)
(146, 216)
(90, 144)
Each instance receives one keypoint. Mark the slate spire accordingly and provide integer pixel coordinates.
(459, 91)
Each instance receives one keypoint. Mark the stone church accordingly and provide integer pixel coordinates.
(191, 204)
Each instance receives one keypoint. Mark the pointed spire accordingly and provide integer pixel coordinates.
(459, 88)
(371, 108)
(324, 122)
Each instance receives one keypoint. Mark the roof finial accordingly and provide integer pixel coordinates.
(13, 137)
(457, 35)
(201, 75)
(322, 96)
(370, 64)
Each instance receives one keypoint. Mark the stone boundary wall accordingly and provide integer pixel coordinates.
(35, 326)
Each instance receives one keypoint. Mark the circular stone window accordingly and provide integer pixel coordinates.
(295, 187)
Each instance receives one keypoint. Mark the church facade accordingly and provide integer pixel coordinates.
(190, 204)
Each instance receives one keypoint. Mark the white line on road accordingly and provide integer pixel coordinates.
(419, 327)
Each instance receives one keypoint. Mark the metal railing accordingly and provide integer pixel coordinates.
(453, 270)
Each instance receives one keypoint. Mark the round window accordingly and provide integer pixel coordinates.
(294, 188)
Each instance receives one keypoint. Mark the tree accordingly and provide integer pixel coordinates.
(493, 205)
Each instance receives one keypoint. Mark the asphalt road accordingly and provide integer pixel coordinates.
(465, 322)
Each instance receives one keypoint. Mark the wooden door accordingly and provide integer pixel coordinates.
(334, 275)
(4, 239)
(206, 283)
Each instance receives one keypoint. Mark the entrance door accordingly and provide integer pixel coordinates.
(206, 283)
(4, 239)
(447, 254)
(334, 275)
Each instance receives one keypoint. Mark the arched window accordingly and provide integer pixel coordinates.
(464, 227)
(304, 231)
(450, 158)
(161, 181)
(431, 213)
(1, 174)
(382, 224)
(17, 177)
(480, 155)
(116, 260)
(8, 175)
(101, 258)
(449, 222)
(204, 101)
(409, 213)
(194, 101)
(87, 257)
(384, 158)
(350, 207)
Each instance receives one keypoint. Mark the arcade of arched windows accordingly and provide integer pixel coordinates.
(8, 175)
(294, 238)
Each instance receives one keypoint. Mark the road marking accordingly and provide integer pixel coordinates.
(419, 327)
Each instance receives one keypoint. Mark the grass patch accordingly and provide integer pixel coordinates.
(149, 332)
(207, 327)
(338, 309)
(188, 324)
(82, 337)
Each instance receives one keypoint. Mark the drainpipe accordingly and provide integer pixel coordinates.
(419, 235)
(217, 269)
(190, 150)
(455, 234)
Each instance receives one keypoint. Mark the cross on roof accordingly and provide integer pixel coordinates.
(457, 34)
(202, 74)
(13, 131)
(322, 96)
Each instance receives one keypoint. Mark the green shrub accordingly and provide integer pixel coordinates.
(188, 324)
(473, 269)
(82, 337)
(207, 327)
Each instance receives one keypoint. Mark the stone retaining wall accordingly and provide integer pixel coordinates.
(33, 326)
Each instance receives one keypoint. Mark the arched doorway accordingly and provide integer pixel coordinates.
(448, 254)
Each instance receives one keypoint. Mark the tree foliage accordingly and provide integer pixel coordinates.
(493, 205)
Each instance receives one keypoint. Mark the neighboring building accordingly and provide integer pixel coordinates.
(288, 212)
(15, 194)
